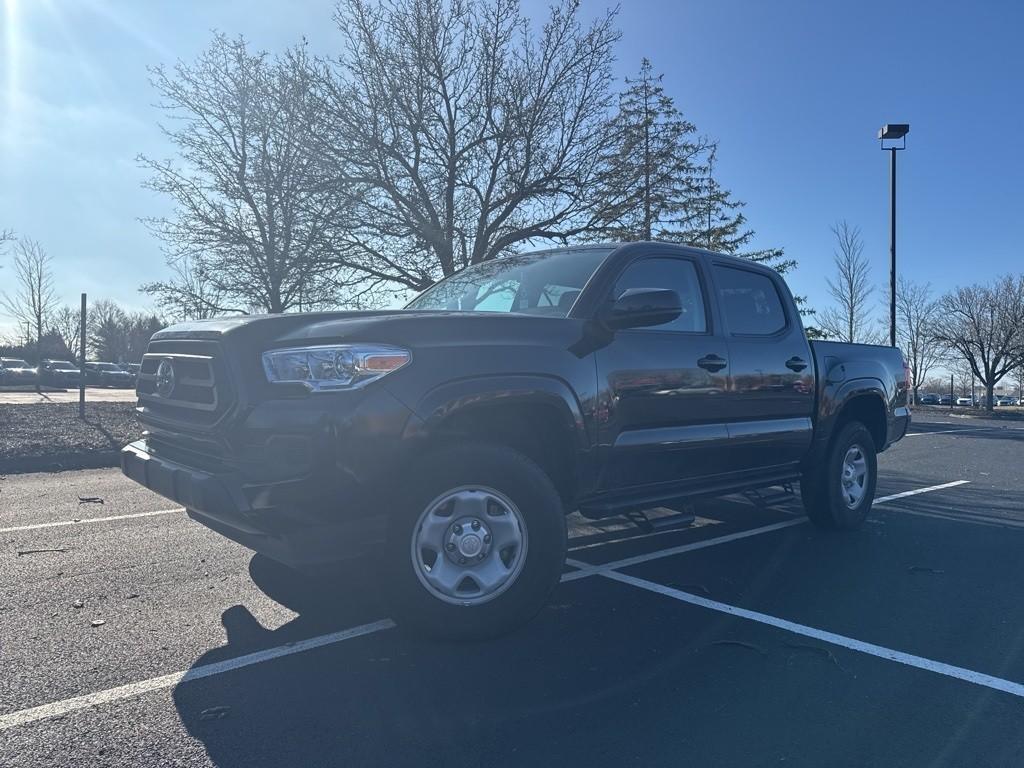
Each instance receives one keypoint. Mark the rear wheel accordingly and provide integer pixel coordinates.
(477, 543)
(837, 494)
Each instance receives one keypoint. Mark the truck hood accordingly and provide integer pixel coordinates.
(404, 327)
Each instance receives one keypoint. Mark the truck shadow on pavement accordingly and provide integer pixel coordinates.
(608, 675)
(394, 699)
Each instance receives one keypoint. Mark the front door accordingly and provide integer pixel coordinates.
(665, 387)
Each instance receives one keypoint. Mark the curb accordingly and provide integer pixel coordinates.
(59, 462)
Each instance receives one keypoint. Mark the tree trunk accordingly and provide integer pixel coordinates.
(988, 397)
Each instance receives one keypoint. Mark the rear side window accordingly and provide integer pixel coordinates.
(749, 301)
(678, 275)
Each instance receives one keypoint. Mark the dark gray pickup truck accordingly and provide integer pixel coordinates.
(450, 439)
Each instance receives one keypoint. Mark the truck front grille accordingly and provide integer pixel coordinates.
(184, 381)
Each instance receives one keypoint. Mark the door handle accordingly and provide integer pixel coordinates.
(796, 364)
(712, 363)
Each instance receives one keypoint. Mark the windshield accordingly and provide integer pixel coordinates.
(545, 283)
(14, 363)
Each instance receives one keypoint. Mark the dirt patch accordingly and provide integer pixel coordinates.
(30, 388)
(50, 436)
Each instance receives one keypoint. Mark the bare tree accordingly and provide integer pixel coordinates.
(850, 318)
(916, 314)
(34, 298)
(107, 338)
(963, 377)
(190, 293)
(65, 323)
(113, 334)
(253, 215)
(985, 326)
(139, 329)
(1019, 377)
(937, 384)
(466, 132)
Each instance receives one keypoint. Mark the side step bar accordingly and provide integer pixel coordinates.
(683, 518)
(765, 497)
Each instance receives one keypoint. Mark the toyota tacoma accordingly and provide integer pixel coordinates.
(451, 438)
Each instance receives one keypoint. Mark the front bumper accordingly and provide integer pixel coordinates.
(280, 519)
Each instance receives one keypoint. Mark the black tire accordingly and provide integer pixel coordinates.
(480, 465)
(822, 490)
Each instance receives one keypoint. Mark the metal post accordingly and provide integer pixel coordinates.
(951, 398)
(892, 247)
(81, 364)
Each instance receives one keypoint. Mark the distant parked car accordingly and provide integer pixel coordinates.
(929, 399)
(133, 369)
(1005, 400)
(946, 400)
(14, 370)
(969, 401)
(107, 375)
(59, 373)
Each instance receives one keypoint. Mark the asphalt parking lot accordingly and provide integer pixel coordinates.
(748, 639)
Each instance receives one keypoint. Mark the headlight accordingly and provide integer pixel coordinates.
(339, 366)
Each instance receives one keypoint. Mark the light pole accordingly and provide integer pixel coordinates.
(893, 132)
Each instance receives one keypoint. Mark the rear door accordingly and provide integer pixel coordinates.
(771, 388)
(665, 386)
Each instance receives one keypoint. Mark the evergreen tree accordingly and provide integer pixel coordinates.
(654, 167)
(717, 223)
(659, 181)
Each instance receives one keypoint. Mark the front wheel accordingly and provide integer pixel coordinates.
(477, 543)
(838, 492)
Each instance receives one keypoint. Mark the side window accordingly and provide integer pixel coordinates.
(679, 275)
(749, 301)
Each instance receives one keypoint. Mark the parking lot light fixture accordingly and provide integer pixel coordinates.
(893, 132)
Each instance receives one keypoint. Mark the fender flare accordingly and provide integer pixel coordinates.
(444, 401)
(837, 397)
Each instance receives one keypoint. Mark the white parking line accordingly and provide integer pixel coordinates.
(85, 520)
(699, 522)
(945, 431)
(58, 708)
(929, 489)
(588, 570)
(919, 662)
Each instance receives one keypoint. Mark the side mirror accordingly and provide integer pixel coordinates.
(644, 307)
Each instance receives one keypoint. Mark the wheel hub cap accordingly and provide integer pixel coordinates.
(854, 477)
(468, 538)
(469, 545)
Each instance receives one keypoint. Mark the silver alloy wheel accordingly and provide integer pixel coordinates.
(854, 478)
(469, 545)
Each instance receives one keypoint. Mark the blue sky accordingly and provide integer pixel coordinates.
(794, 92)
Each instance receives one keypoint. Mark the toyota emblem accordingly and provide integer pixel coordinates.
(165, 378)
